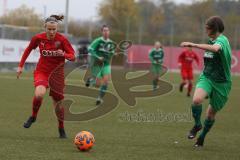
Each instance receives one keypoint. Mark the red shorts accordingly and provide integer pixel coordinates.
(187, 74)
(53, 81)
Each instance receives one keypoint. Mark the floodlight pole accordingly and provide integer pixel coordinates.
(66, 18)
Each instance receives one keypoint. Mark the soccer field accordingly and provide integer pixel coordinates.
(119, 135)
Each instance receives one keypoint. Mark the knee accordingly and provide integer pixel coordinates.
(39, 94)
(211, 114)
(105, 83)
(97, 85)
(197, 100)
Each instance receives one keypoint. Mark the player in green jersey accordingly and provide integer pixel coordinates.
(215, 80)
(101, 51)
(156, 57)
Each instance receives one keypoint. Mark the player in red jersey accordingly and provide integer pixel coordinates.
(54, 49)
(185, 61)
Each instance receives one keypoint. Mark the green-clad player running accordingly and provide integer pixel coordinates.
(156, 57)
(215, 81)
(101, 51)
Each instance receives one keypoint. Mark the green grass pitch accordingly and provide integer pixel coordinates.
(117, 138)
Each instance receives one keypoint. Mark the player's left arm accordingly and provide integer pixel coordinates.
(69, 52)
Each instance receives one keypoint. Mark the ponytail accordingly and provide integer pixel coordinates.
(54, 18)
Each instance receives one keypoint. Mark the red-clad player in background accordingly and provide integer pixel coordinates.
(54, 49)
(185, 61)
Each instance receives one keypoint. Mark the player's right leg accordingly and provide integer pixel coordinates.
(199, 96)
(40, 91)
(41, 85)
(184, 80)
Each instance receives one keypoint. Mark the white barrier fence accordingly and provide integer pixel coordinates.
(12, 50)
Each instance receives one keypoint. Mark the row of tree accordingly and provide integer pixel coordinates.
(145, 21)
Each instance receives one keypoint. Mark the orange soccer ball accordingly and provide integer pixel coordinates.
(84, 140)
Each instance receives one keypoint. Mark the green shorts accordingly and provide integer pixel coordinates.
(100, 71)
(156, 68)
(217, 92)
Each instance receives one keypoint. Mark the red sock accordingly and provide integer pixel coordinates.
(190, 87)
(36, 103)
(60, 116)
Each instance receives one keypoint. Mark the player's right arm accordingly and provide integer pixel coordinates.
(92, 49)
(32, 45)
(180, 59)
(151, 56)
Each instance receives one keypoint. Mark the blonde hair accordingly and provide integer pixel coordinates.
(157, 43)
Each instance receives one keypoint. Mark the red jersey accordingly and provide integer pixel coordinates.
(49, 59)
(186, 59)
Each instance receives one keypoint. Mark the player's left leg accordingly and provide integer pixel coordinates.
(217, 102)
(59, 110)
(105, 76)
(56, 85)
(103, 89)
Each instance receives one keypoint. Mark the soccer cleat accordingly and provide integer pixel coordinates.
(188, 95)
(62, 133)
(193, 132)
(29, 122)
(199, 142)
(154, 88)
(87, 84)
(99, 101)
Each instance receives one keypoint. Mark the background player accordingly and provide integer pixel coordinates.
(215, 81)
(54, 49)
(101, 51)
(185, 61)
(156, 57)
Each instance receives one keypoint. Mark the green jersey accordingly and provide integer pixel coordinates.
(102, 48)
(217, 66)
(156, 55)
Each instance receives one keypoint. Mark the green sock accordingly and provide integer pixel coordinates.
(196, 113)
(155, 83)
(208, 123)
(92, 81)
(103, 90)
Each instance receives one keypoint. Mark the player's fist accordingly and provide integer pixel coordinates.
(101, 58)
(187, 44)
(19, 72)
(60, 52)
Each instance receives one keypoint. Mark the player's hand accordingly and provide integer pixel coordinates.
(19, 72)
(60, 52)
(101, 58)
(179, 65)
(187, 44)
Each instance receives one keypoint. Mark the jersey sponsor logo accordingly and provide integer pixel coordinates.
(208, 55)
(189, 58)
(42, 44)
(48, 53)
